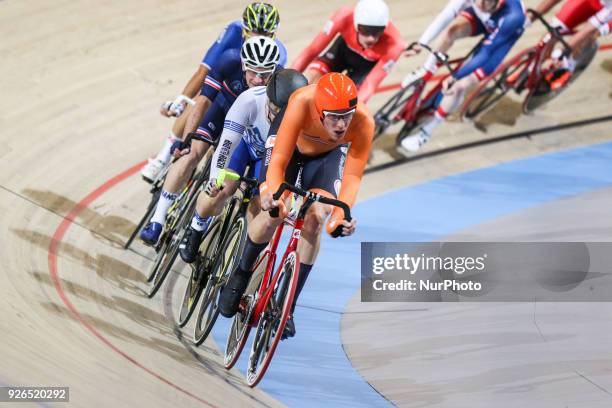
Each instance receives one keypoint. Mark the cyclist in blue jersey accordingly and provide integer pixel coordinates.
(501, 21)
(233, 73)
(258, 19)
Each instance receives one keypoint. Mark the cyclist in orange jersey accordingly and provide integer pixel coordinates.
(323, 142)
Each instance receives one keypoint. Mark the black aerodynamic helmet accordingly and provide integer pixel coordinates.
(282, 84)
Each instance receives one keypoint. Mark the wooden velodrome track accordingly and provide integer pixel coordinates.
(81, 83)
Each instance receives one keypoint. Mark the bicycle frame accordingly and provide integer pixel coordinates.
(268, 280)
(412, 109)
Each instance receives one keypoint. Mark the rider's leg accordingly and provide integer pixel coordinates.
(177, 177)
(159, 162)
(206, 208)
(451, 101)
(260, 231)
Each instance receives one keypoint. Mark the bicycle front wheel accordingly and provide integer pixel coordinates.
(229, 255)
(272, 322)
(510, 75)
(241, 323)
(199, 272)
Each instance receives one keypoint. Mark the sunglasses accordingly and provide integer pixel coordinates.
(246, 34)
(336, 117)
(370, 31)
(266, 74)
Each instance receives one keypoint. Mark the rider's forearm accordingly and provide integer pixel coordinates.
(442, 20)
(545, 6)
(195, 83)
(197, 113)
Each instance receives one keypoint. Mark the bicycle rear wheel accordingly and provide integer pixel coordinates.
(199, 272)
(542, 94)
(510, 75)
(241, 323)
(273, 319)
(229, 254)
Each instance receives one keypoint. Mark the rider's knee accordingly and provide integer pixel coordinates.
(460, 87)
(315, 220)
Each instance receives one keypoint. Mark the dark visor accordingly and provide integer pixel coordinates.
(373, 31)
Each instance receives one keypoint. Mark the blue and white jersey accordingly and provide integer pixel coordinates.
(466, 8)
(231, 39)
(226, 77)
(247, 120)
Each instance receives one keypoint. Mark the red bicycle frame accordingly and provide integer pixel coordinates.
(265, 290)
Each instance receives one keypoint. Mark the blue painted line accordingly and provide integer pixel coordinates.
(312, 368)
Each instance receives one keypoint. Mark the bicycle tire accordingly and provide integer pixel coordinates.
(219, 275)
(241, 324)
(386, 115)
(269, 326)
(190, 199)
(194, 287)
(172, 251)
(145, 218)
(497, 85)
(536, 99)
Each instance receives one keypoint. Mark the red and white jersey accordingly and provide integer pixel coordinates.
(385, 52)
(575, 12)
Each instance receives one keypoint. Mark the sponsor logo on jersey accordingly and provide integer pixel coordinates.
(237, 86)
(223, 154)
(297, 234)
(337, 187)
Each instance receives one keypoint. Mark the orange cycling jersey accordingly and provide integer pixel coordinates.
(301, 127)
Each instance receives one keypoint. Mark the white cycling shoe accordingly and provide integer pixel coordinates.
(413, 143)
(152, 169)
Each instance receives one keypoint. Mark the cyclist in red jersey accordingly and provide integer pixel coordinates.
(362, 42)
(573, 13)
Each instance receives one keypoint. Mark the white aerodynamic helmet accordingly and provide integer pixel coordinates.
(260, 52)
(371, 13)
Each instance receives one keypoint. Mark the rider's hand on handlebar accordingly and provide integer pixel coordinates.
(447, 84)
(179, 148)
(412, 51)
(174, 108)
(165, 109)
(211, 188)
(348, 226)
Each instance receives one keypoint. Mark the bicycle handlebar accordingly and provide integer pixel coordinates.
(194, 136)
(553, 31)
(309, 195)
(440, 56)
